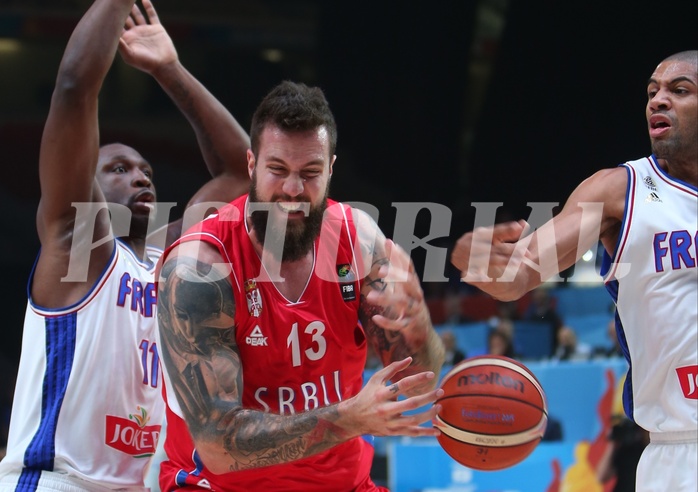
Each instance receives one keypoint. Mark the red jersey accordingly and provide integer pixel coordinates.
(296, 356)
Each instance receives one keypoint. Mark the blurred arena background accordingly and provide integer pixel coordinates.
(446, 102)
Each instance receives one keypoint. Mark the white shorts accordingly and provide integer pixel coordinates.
(59, 482)
(668, 463)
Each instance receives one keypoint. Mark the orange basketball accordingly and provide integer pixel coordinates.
(493, 414)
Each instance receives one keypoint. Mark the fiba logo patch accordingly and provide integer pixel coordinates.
(348, 291)
(347, 286)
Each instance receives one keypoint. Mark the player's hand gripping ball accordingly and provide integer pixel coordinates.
(494, 412)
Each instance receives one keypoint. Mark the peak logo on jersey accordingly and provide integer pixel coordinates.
(256, 338)
(132, 436)
(649, 182)
(688, 379)
(254, 298)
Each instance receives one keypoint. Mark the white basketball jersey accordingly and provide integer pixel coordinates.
(654, 280)
(88, 399)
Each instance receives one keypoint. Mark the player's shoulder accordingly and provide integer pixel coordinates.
(604, 184)
(614, 174)
(224, 216)
(362, 214)
(608, 187)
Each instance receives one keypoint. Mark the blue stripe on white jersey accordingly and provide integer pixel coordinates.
(60, 352)
(89, 405)
(29, 480)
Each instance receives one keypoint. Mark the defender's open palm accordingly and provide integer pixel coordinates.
(145, 43)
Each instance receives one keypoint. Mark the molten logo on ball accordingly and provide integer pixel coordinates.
(491, 378)
(493, 412)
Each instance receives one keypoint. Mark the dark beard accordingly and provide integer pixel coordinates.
(138, 221)
(300, 235)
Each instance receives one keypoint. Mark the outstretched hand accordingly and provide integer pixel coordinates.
(377, 410)
(145, 44)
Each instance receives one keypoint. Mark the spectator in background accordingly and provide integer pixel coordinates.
(453, 308)
(568, 347)
(506, 311)
(553, 431)
(506, 326)
(373, 362)
(615, 349)
(500, 342)
(542, 308)
(453, 354)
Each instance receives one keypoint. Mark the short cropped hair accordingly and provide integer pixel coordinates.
(690, 56)
(293, 107)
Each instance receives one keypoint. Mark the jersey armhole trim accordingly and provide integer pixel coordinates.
(91, 294)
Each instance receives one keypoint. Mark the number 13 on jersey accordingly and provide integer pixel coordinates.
(318, 347)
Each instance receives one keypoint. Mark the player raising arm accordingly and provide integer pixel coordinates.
(146, 45)
(89, 376)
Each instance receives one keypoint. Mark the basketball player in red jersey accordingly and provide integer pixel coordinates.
(265, 313)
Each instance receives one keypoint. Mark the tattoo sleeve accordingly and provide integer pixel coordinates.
(196, 315)
(390, 345)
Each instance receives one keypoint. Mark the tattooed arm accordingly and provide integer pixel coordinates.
(196, 313)
(393, 311)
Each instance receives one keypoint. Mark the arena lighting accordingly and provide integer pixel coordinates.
(8, 45)
(273, 55)
(588, 256)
